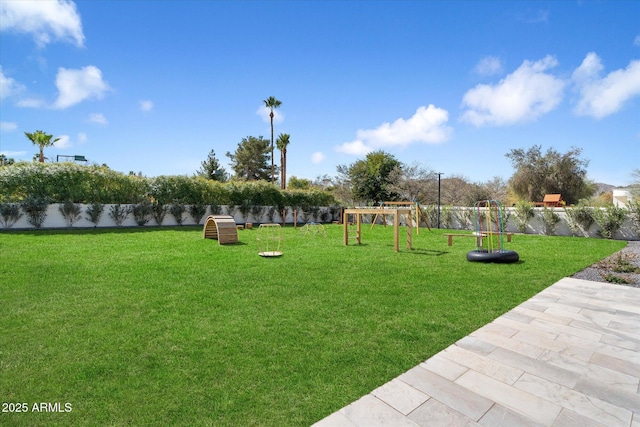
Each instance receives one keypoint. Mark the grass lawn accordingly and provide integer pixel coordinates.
(161, 327)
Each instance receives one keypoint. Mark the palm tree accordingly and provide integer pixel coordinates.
(282, 142)
(271, 103)
(42, 140)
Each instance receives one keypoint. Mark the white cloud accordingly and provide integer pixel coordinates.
(30, 103)
(317, 157)
(264, 112)
(603, 96)
(357, 148)
(14, 153)
(82, 138)
(523, 95)
(78, 85)
(46, 21)
(63, 142)
(97, 118)
(8, 126)
(427, 125)
(488, 66)
(8, 86)
(146, 105)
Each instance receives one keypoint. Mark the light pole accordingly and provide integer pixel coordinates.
(439, 174)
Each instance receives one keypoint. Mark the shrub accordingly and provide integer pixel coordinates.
(431, 212)
(216, 209)
(158, 211)
(579, 218)
(634, 215)
(71, 212)
(550, 220)
(446, 216)
(197, 211)
(523, 213)
(119, 213)
(505, 214)
(257, 212)
(271, 213)
(176, 210)
(142, 212)
(244, 208)
(325, 215)
(94, 212)
(59, 182)
(9, 214)
(36, 209)
(464, 217)
(610, 220)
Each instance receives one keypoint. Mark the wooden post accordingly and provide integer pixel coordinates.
(409, 232)
(396, 226)
(345, 227)
(359, 228)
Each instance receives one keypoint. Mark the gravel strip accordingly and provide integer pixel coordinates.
(604, 269)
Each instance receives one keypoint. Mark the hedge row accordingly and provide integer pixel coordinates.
(71, 182)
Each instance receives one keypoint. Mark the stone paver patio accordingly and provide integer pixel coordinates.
(569, 356)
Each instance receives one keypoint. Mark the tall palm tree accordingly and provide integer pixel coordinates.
(282, 142)
(271, 103)
(42, 140)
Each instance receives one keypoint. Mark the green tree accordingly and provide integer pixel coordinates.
(371, 178)
(414, 183)
(6, 161)
(299, 183)
(249, 162)
(537, 174)
(271, 103)
(42, 140)
(282, 143)
(211, 169)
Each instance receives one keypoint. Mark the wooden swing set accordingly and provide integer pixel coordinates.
(410, 209)
(417, 214)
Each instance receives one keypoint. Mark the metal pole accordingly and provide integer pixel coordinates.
(439, 174)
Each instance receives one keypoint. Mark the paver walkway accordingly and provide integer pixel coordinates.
(569, 356)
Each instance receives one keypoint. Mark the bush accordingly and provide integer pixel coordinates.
(634, 215)
(9, 214)
(464, 217)
(71, 212)
(579, 218)
(550, 220)
(119, 213)
(62, 182)
(197, 211)
(523, 213)
(610, 220)
(142, 212)
(177, 209)
(446, 216)
(216, 209)
(36, 209)
(94, 212)
(158, 211)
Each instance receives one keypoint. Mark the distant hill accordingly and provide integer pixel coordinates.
(604, 188)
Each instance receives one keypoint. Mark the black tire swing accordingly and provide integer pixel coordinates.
(490, 229)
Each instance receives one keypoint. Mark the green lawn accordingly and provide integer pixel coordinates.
(161, 327)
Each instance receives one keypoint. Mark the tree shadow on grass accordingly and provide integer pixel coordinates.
(428, 252)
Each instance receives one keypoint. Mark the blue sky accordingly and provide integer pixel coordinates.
(153, 86)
